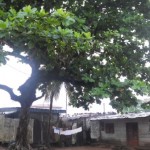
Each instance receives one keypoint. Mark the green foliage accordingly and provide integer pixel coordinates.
(2, 56)
(133, 109)
(95, 52)
(49, 35)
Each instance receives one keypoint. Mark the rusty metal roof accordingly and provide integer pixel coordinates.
(84, 115)
(122, 116)
(37, 110)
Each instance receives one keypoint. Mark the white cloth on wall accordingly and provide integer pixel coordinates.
(74, 131)
(67, 132)
(57, 130)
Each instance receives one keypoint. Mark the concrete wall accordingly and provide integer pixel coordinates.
(8, 129)
(95, 129)
(144, 131)
(120, 130)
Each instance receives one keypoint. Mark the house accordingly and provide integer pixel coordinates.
(76, 121)
(38, 126)
(131, 129)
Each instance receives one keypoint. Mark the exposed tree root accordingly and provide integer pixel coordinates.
(15, 146)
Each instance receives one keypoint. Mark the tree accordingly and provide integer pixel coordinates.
(52, 92)
(133, 109)
(48, 40)
(62, 44)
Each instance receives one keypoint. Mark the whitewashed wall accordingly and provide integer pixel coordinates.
(144, 131)
(120, 130)
(95, 129)
(8, 129)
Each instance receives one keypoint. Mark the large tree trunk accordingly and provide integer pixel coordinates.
(22, 142)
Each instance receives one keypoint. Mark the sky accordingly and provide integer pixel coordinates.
(15, 73)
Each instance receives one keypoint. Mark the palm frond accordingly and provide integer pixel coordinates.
(53, 88)
(68, 90)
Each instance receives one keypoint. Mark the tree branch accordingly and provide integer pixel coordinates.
(43, 93)
(25, 59)
(11, 93)
(54, 75)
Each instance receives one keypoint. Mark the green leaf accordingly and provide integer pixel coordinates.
(87, 34)
(55, 37)
(31, 45)
(2, 34)
(27, 9)
(21, 15)
(68, 21)
(3, 25)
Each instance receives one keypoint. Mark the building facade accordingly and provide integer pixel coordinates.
(129, 129)
(39, 125)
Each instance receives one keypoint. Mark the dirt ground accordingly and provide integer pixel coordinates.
(75, 148)
(2, 148)
(84, 148)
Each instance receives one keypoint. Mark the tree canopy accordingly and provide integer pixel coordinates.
(55, 44)
(109, 41)
(98, 48)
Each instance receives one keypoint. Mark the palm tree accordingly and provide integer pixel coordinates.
(52, 91)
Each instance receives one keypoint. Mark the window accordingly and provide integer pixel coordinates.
(109, 128)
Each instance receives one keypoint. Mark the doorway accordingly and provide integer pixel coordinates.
(132, 134)
(37, 132)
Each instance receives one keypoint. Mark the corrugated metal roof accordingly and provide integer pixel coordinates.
(46, 106)
(38, 110)
(80, 115)
(84, 115)
(122, 116)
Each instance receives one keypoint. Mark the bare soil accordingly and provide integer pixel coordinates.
(84, 148)
(74, 148)
(2, 148)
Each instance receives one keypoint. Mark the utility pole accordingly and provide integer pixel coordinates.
(104, 108)
(66, 103)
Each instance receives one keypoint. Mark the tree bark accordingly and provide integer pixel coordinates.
(22, 142)
(49, 120)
